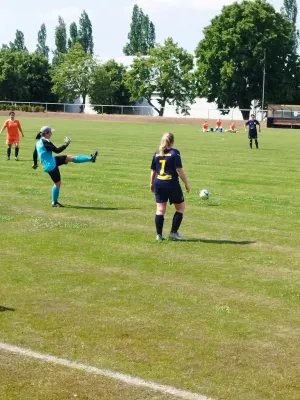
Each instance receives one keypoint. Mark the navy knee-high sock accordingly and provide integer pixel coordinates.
(16, 151)
(8, 151)
(159, 223)
(177, 219)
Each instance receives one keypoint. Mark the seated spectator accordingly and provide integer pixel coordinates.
(205, 127)
(219, 126)
(232, 127)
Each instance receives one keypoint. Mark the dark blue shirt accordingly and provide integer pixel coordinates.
(252, 123)
(165, 166)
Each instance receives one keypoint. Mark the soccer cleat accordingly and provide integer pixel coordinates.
(160, 238)
(17, 158)
(34, 166)
(57, 204)
(8, 158)
(94, 156)
(176, 236)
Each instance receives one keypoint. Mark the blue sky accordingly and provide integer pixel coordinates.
(183, 20)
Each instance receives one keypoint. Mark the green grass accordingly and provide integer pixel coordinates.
(217, 315)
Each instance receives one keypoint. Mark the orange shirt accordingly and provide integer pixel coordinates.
(218, 124)
(12, 128)
(205, 125)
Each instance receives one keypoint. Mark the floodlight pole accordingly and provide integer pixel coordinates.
(263, 85)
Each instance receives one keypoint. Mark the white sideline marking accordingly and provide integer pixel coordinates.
(104, 372)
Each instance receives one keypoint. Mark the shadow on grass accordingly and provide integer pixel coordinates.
(2, 309)
(222, 241)
(98, 208)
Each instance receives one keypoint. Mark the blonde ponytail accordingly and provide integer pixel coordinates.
(166, 142)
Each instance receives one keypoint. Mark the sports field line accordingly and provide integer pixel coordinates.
(130, 380)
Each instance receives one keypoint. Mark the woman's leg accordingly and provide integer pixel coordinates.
(178, 216)
(8, 151)
(160, 217)
(16, 151)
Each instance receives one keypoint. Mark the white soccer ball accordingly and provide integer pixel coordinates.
(204, 194)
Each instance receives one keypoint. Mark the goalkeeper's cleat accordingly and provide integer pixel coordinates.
(57, 204)
(176, 236)
(34, 166)
(94, 156)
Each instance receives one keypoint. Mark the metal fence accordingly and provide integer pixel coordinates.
(233, 114)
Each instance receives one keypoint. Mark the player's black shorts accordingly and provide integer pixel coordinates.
(172, 193)
(252, 134)
(55, 173)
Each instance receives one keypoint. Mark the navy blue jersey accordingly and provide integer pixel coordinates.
(166, 165)
(252, 123)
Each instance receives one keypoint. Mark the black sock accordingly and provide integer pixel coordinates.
(16, 151)
(8, 151)
(256, 143)
(176, 221)
(251, 143)
(35, 157)
(159, 223)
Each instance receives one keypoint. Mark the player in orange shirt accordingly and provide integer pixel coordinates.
(232, 127)
(219, 126)
(13, 127)
(205, 127)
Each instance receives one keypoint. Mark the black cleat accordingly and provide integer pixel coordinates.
(94, 156)
(57, 204)
(34, 166)
(8, 158)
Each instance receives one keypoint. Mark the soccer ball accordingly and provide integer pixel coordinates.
(204, 194)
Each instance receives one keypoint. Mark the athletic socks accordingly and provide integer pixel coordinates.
(55, 194)
(16, 151)
(82, 159)
(250, 143)
(159, 223)
(8, 152)
(256, 143)
(177, 219)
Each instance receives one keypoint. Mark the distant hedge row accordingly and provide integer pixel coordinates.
(21, 107)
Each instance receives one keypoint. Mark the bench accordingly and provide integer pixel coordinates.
(286, 122)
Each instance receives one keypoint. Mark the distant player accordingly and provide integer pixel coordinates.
(232, 127)
(13, 127)
(51, 164)
(219, 126)
(166, 166)
(205, 127)
(252, 133)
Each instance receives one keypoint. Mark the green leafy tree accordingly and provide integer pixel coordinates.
(108, 87)
(73, 35)
(167, 72)
(290, 10)
(41, 47)
(24, 76)
(71, 78)
(19, 42)
(85, 33)
(61, 37)
(142, 34)
(230, 58)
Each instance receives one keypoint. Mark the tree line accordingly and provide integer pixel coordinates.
(227, 67)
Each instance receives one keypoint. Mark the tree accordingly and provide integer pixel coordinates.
(167, 72)
(19, 42)
(41, 47)
(60, 37)
(24, 76)
(85, 33)
(230, 58)
(72, 77)
(142, 34)
(108, 87)
(73, 35)
(290, 10)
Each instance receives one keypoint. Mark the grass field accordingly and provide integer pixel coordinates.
(217, 315)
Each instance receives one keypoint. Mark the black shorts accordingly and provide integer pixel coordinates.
(173, 194)
(55, 173)
(252, 134)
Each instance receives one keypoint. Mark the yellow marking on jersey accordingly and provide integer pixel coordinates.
(164, 177)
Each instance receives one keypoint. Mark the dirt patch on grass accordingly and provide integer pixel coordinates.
(123, 118)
